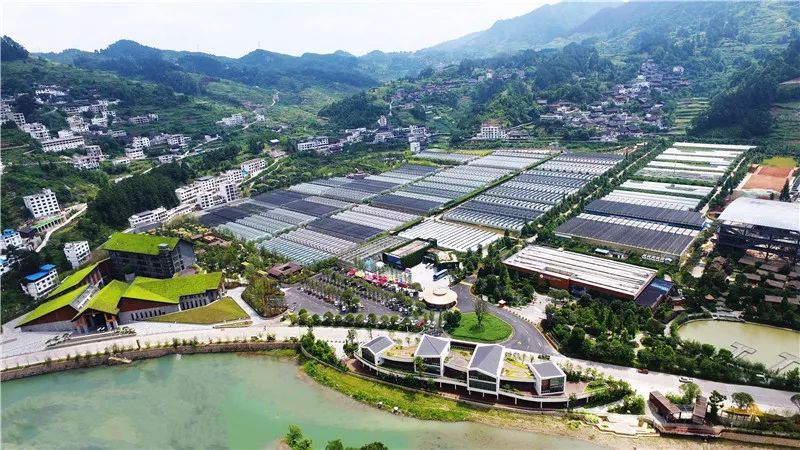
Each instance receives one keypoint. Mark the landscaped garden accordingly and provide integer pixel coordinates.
(493, 329)
(222, 310)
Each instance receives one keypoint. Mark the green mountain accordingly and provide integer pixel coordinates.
(531, 30)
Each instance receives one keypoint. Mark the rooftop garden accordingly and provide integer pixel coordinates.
(222, 310)
(138, 243)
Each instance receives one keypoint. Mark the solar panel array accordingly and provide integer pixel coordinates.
(309, 222)
(586, 163)
(692, 162)
(645, 216)
(433, 192)
(529, 195)
(444, 157)
(629, 233)
(450, 235)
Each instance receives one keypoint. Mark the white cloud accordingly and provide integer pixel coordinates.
(233, 29)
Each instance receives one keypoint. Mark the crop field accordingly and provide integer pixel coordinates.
(686, 111)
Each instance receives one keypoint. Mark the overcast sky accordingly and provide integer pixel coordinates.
(234, 29)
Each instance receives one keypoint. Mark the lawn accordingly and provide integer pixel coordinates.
(780, 161)
(493, 329)
(220, 311)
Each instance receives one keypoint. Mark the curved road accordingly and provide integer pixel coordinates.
(526, 337)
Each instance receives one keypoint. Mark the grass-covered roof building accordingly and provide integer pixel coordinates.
(147, 255)
(96, 297)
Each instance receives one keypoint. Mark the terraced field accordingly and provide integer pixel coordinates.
(787, 123)
(688, 109)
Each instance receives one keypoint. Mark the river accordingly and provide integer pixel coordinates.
(768, 342)
(219, 401)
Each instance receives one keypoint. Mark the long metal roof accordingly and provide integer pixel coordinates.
(765, 213)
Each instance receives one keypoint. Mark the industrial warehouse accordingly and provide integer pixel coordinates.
(579, 273)
(767, 228)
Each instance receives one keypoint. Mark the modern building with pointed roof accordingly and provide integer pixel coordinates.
(372, 350)
(550, 379)
(766, 226)
(433, 351)
(484, 368)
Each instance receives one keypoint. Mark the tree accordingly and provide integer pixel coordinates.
(350, 345)
(452, 318)
(419, 366)
(481, 309)
(784, 197)
(295, 440)
(349, 299)
(264, 296)
(334, 445)
(715, 400)
(690, 392)
(742, 400)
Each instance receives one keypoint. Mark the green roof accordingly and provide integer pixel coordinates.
(73, 280)
(107, 299)
(138, 243)
(172, 289)
(52, 305)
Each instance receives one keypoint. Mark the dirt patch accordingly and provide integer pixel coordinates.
(771, 178)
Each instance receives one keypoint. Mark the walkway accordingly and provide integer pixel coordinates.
(81, 209)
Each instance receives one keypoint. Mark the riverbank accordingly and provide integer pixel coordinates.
(425, 406)
(128, 356)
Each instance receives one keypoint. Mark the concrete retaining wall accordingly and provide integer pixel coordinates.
(133, 355)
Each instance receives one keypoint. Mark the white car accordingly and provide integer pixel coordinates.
(685, 380)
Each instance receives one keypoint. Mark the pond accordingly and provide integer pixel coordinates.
(768, 342)
(219, 401)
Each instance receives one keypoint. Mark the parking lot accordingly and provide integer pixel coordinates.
(297, 300)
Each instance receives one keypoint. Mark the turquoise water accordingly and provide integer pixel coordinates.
(219, 401)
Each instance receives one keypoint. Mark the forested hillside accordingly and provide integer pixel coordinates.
(742, 108)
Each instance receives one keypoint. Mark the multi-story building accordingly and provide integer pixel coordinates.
(166, 159)
(39, 284)
(11, 238)
(77, 124)
(135, 153)
(147, 255)
(60, 144)
(118, 133)
(139, 120)
(140, 142)
(77, 252)
(233, 176)
(42, 204)
(37, 130)
(95, 152)
(178, 140)
(157, 215)
(253, 166)
(232, 121)
(315, 143)
(85, 162)
(382, 121)
(122, 160)
(491, 131)
(6, 115)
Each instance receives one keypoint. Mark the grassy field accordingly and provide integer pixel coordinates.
(219, 311)
(780, 161)
(493, 329)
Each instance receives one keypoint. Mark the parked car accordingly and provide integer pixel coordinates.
(643, 370)
(685, 380)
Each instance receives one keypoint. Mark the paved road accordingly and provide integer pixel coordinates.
(526, 337)
(769, 399)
